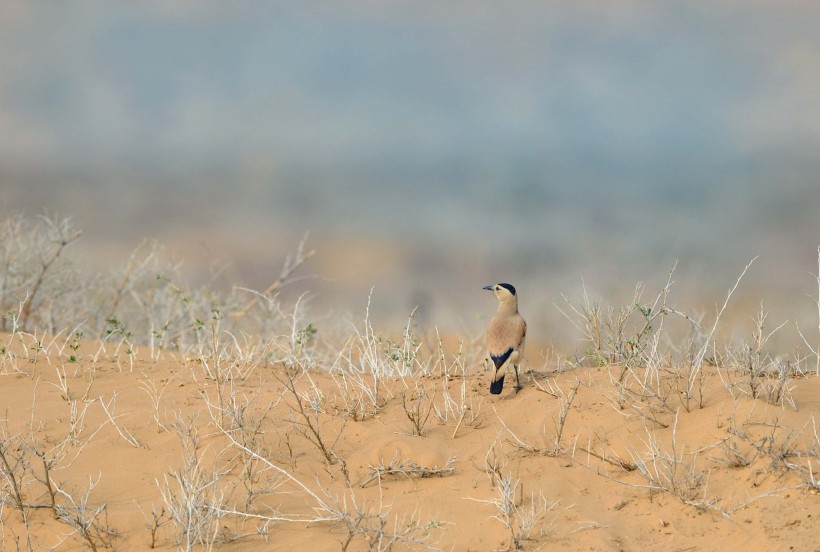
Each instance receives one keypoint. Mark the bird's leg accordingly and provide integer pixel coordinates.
(517, 381)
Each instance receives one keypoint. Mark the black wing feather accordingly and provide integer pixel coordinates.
(499, 360)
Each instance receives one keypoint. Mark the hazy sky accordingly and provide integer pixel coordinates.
(632, 86)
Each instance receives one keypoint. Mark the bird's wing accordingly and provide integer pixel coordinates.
(500, 359)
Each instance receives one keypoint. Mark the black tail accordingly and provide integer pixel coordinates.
(497, 386)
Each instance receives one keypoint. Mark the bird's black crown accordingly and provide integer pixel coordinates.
(509, 287)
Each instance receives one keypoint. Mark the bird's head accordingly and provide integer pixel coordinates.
(503, 292)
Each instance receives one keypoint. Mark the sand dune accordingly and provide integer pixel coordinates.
(234, 460)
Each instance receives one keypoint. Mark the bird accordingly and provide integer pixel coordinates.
(505, 335)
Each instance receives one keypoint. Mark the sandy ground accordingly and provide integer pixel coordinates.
(624, 473)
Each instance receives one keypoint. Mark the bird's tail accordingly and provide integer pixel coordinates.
(497, 384)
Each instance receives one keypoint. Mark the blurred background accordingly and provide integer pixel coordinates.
(430, 148)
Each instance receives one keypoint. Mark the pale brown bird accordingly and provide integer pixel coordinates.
(505, 335)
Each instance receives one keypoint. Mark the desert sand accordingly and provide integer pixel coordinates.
(130, 448)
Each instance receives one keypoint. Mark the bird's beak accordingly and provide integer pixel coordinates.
(489, 287)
